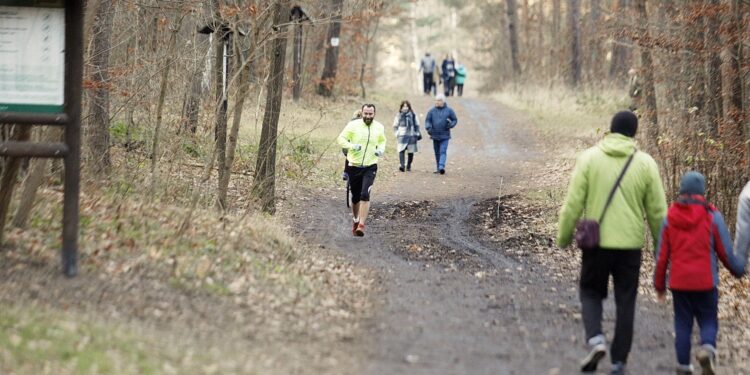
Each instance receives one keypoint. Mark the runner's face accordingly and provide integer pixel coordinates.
(405, 108)
(439, 103)
(368, 114)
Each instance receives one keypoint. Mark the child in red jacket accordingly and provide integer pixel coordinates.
(693, 237)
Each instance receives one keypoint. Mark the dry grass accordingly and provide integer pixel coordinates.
(235, 290)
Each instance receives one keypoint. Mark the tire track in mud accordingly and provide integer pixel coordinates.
(460, 236)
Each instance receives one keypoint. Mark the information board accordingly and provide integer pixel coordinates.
(32, 56)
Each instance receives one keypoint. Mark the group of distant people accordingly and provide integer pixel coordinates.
(450, 75)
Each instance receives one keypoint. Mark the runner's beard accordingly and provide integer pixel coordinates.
(367, 121)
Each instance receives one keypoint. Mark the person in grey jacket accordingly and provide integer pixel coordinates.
(438, 124)
(427, 66)
(742, 231)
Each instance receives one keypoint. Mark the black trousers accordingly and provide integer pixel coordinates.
(427, 78)
(448, 85)
(401, 158)
(596, 267)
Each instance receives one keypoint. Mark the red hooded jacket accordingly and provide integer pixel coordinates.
(692, 237)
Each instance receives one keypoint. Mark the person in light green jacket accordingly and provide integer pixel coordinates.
(364, 142)
(460, 79)
(640, 196)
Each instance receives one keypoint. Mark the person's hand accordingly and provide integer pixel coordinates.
(419, 137)
(449, 122)
(356, 147)
(661, 297)
(378, 153)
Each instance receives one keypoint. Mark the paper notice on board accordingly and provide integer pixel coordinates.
(32, 59)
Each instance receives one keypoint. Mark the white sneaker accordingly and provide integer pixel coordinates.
(706, 356)
(684, 370)
(598, 350)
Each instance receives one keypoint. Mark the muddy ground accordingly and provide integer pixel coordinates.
(470, 280)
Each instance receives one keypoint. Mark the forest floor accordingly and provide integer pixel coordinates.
(469, 277)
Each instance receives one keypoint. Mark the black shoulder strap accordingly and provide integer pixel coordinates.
(617, 184)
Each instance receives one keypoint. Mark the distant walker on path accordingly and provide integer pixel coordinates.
(406, 129)
(438, 124)
(427, 66)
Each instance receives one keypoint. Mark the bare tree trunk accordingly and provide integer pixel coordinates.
(693, 63)
(327, 80)
(713, 68)
(297, 56)
(154, 34)
(8, 179)
(98, 117)
(555, 41)
(620, 62)
(575, 42)
(595, 41)
(513, 35)
(242, 93)
(525, 48)
(264, 185)
(160, 103)
(540, 53)
(33, 181)
(367, 43)
(414, 40)
(647, 68)
(192, 105)
(221, 117)
(731, 67)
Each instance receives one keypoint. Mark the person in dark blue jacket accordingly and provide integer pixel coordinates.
(449, 75)
(438, 124)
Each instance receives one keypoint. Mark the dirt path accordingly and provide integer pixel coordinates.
(453, 302)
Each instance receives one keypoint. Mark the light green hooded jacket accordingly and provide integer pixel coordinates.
(640, 195)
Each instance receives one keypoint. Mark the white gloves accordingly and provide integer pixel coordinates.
(379, 153)
(356, 147)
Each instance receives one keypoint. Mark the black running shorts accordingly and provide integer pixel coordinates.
(361, 180)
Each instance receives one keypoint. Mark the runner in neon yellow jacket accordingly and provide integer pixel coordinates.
(362, 141)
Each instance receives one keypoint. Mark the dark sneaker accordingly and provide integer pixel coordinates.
(360, 231)
(355, 224)
(706, 356)
(401, 168)
(442, 171)
(408, 168)
(618, 368)
(684, 370)
(598, 347)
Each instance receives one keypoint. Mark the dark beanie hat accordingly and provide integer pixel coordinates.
(693, 183)
(625, 123)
